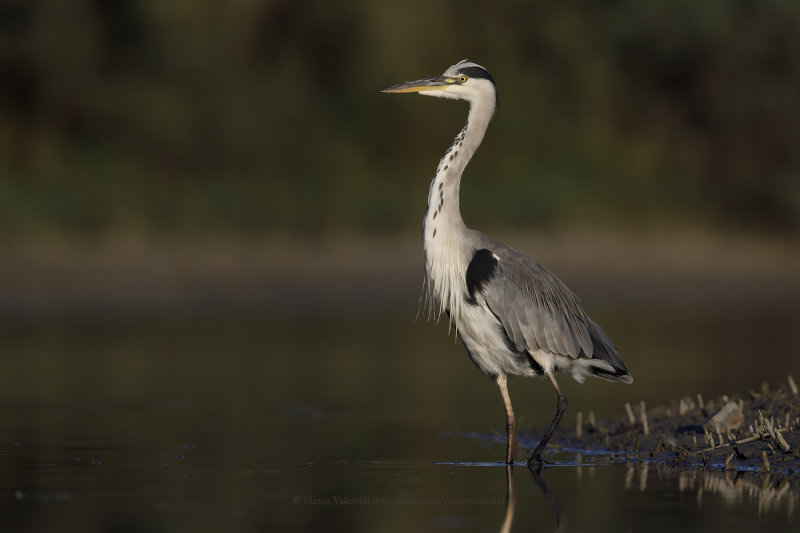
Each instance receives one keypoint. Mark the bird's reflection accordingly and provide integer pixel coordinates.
(538, 477)
(537, 472)
(767, 492)
(511, 499)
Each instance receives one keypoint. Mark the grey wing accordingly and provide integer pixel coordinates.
(535, 313)
(538, 312)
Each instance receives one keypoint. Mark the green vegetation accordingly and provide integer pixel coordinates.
(253, 117)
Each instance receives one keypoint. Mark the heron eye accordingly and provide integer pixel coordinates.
(462, 79)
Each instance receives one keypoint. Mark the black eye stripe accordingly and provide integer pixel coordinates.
(477, 72)
(480, 73)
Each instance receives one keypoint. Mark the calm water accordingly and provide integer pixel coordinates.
(351, 424)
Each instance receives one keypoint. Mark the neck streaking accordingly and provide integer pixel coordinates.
(446, 250)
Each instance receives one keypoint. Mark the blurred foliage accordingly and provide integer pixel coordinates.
(265, 116)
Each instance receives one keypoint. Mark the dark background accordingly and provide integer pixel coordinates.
(263, 118)
(210, 253)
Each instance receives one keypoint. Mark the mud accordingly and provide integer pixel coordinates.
(752, 434)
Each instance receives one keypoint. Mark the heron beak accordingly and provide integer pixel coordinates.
(439, 83)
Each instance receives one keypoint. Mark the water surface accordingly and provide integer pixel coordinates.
(348, 423)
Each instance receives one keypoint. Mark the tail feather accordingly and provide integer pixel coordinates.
(604, 350)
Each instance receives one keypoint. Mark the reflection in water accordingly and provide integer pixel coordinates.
(98, 420)
(767, 492)
(511, 498)
(538, 477)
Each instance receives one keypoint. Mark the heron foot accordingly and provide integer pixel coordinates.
(535, 460)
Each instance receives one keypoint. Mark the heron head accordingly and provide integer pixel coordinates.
(463, 81)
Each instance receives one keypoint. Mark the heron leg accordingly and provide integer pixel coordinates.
(511, 422)
(561, 408)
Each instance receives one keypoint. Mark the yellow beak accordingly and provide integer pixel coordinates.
(431, 84)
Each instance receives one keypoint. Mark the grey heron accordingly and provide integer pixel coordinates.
(513, 316)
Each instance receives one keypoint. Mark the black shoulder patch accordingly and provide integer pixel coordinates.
(480, 271)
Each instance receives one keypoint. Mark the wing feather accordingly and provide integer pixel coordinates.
(536, 309)
(539, 312)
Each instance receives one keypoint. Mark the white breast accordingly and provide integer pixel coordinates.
(482, 336)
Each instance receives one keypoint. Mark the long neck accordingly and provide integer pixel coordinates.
(446, 253)
(443, 196)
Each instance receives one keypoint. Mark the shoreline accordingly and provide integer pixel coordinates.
(130, 274)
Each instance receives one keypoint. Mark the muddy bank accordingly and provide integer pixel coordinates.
(757, 432)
